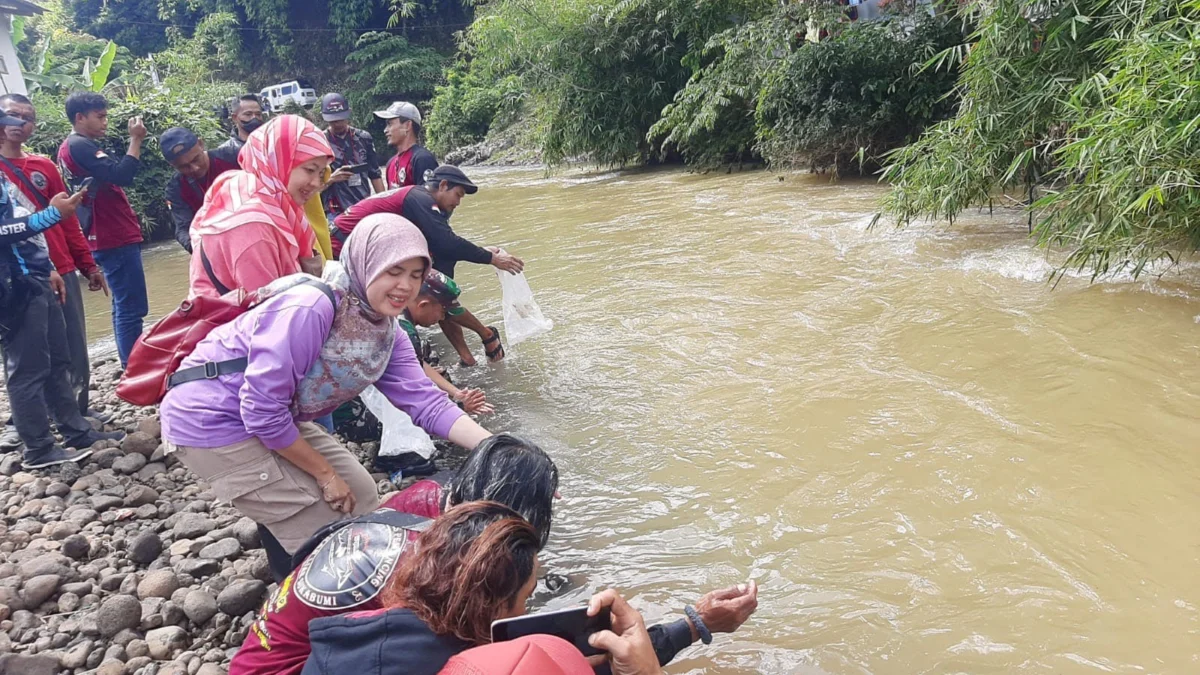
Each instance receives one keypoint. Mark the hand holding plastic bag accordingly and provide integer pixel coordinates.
(522, 317)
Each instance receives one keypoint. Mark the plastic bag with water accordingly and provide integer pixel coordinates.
(522, 317)
(400, 435)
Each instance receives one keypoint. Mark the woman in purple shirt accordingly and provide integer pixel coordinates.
(250, 435)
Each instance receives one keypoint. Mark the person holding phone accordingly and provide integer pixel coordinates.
(355, 164)
(33, 332)
(346, 570)
(476, 564)
(35, 181)
(112, 228)
(626, 644)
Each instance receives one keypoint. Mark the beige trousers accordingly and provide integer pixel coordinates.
(277, 493)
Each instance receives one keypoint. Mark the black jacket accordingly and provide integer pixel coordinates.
(379, 642)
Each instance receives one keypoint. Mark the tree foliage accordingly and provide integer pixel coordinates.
(1092, 100)
(853, 97)
(469, 104)
(598, 73)
(390, 68)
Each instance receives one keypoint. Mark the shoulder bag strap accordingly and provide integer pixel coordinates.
(222, 289)
(214, 369)
(41, 198)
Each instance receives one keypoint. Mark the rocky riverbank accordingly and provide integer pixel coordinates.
(126, 565)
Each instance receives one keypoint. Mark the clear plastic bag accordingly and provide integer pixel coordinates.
(400, 435)
(522, 317)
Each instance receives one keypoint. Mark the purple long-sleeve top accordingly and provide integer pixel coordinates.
(281, 339)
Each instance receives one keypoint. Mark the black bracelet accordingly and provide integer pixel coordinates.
(701, 629)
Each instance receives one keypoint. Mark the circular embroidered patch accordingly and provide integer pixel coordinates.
(351, 566)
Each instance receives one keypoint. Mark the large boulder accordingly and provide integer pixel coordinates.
(199, 606)
(193, 525)
(165, 642)
(26, 664)
(140, 443)
(241, 596)
(118, 613)
(158, 584)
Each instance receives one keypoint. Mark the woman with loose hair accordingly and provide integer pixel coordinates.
(476, 564)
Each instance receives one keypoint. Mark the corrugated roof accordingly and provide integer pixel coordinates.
(20, 7)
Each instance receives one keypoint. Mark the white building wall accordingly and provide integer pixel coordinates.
(11, 80)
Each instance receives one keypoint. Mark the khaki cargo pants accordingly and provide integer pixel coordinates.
(275, 492)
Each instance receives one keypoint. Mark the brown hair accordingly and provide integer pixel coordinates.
(467, 571)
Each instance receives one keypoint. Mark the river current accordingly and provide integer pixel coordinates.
(931, 460)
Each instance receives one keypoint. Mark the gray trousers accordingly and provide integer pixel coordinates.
(37, 360)
(80, 372)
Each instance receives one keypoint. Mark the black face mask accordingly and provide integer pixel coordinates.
(250, 126)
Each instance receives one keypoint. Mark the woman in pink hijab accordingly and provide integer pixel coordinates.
(251, 229)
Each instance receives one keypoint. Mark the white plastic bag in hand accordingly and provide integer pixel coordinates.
(400, 435)
(522, 317)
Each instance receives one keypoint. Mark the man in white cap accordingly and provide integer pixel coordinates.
(413, 164)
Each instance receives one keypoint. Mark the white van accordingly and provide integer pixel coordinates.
(299, 91)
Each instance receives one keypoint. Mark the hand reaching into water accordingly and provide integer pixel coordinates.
(474, 402)
(725, 610)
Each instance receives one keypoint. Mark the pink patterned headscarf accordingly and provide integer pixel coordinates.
(378, 243)
(258, 193)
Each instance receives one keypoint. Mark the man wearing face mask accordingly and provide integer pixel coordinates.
(195, 170)
(247, 116)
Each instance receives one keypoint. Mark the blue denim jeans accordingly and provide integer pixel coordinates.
(123, 270)
(326, 421)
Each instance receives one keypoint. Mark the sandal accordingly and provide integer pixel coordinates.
(496, 354)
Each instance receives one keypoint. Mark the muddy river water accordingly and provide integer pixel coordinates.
(931, 460)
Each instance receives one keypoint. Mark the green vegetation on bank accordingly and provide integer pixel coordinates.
(1084, 108)
(633, 81)
(176, 63)
(1091, 107)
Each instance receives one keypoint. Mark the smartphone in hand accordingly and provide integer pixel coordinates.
(86, 184)
(356, 168)
(572, 625)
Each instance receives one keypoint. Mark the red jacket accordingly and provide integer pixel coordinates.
(105, 215)
(68, 248)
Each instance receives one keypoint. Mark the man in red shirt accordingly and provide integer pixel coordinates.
(36, 180)
(413, 164)
(112, 228)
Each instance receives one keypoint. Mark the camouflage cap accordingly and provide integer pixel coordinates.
(443, 289)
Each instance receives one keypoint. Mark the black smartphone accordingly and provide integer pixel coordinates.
(572, 625)
(86, 184)
(356, 168)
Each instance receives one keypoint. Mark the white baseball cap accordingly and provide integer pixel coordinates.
(401, 109)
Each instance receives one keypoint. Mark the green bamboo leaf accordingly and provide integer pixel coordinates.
(99, 77)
